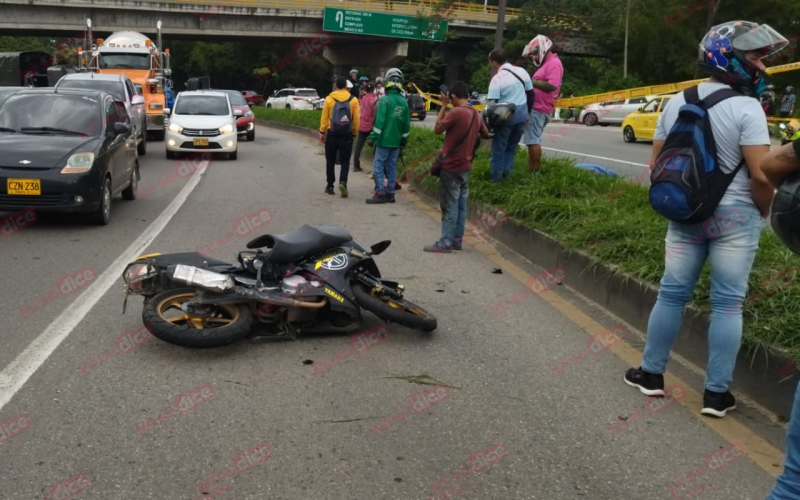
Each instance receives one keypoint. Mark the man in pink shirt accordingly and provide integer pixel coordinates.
(546, 85)
(367, 103)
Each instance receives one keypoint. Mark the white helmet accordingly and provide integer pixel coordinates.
(354, 71)
(537, 49)
(394, 79)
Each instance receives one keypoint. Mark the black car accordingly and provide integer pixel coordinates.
(416, 104)
(66, 151)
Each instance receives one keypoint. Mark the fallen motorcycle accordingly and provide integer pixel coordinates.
(314, 279)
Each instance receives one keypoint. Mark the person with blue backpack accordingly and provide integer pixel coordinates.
(707, 180)
(337, 128)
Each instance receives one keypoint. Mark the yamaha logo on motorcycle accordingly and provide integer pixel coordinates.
(277, 290)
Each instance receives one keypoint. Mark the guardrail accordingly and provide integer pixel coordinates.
(621, 95)
(458, 10)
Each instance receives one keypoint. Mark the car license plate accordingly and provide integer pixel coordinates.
(200, 142)
(24, 186)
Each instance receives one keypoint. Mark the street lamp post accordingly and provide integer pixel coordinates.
(501, 18)
(625, 63)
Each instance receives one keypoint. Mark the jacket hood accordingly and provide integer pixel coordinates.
(42, 150)
(340, 94)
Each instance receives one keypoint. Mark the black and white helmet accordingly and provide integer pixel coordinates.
(497, 113)
(394, 79)
(785, 212)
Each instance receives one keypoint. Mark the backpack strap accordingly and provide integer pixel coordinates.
(691, 95)
(718, 96)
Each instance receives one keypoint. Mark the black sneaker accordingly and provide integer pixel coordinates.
(329, 190)
(649, 384)
(390, 198)
(343, 189)
(717, 403)
(378, 199)
(397, 186)
(357, 168)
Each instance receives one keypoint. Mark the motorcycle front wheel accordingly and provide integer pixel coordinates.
(398, 311)
(218, 325)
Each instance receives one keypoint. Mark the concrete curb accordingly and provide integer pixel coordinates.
(630, 299)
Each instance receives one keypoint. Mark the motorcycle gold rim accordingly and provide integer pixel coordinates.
(223, 314)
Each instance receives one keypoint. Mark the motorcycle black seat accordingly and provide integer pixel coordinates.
(190, 259)
(304, 241)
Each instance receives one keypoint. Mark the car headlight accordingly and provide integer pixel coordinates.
(79, 163)
(174, 127)
(226, 129)
(249, 114)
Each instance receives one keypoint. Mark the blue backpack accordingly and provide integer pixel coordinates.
(687, 182)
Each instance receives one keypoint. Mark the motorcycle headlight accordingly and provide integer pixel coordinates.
(79, 163)
(226, 129)
(174, 127)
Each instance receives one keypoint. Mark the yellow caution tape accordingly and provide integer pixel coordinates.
(621, 95)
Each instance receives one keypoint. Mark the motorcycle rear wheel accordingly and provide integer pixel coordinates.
(397, 311)
(225, 323)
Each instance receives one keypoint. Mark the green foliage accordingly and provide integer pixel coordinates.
(24, 43)
(424, 73)
(609, 219)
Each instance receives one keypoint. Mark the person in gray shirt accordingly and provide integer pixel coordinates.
(731, 53)
(787, 102)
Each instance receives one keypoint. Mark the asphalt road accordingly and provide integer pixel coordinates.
(508, 426)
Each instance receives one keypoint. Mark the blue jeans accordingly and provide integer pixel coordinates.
(453, 192)
(385, 163)
(729, 240)
(504, 149)
(788, 485)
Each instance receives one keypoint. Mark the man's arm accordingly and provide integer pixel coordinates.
(761, 190)
(379, 119)
(355, 110)
(543, 85)
(484, 130)
(780, 163)
(438, 128)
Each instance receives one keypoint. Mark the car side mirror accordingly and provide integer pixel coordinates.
(250, 104)
(167, 111)
(137, 100)
(237, 112)
(121, 128)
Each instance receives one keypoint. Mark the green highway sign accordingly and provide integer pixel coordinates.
(359, 22)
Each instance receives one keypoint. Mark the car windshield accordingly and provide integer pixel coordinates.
(6, 93)
(236, 98)
(114, 88)
(202, 105)
(124, 61)
(307, 93)
(76, 114)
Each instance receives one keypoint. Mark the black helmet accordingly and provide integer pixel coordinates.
(497, 113)
(473, 95)
(722, 53)
(785, 210)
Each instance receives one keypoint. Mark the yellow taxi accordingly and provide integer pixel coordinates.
(641, 124)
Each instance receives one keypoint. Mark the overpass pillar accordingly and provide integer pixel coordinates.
(379, 56)
(454, 59)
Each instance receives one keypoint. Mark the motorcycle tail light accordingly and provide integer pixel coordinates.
(135, 275)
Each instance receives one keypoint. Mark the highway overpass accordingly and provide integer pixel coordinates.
(258, 19)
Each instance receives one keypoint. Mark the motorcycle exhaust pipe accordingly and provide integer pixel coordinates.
(277, 299)
(201, 278)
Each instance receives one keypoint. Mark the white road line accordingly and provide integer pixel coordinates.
(14, 376)
(598, 157)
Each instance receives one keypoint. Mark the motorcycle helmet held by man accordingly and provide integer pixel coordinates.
(497, 113)
(785, 212)
(537, 49)
(732, 53)
(393, 79)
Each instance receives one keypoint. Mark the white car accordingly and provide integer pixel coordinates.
(293, 99)
(202, 120)
(604, 113)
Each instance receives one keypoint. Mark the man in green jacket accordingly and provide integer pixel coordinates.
(389, 134)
